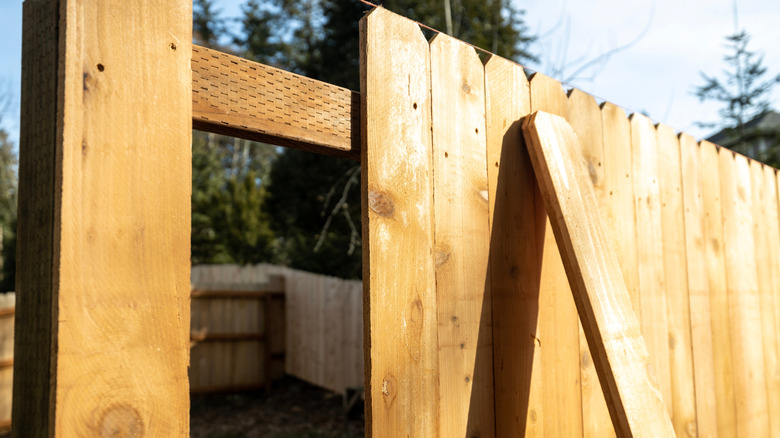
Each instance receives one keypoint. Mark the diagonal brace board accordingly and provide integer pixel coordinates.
(604, 306)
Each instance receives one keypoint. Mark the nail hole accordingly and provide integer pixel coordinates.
(173, 46)
(476, 130)
(415, 105)
(100, 67)
(446, 155)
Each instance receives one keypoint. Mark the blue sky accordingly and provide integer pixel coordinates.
(656, 75)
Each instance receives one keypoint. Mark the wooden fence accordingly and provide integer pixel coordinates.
(473, 330)
(323, 320)
(237, 340)
(7, 307)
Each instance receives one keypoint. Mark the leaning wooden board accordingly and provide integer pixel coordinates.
(611, 327)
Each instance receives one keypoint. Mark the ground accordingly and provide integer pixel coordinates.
(292, 409)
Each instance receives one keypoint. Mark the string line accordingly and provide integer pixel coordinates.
(567, 84)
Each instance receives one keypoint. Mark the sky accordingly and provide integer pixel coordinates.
(679, 40)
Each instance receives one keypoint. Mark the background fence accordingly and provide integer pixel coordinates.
(237, 338)
(323, 320)
(473, 325)
(250, 325)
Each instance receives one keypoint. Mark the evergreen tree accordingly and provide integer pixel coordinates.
(229, 174)
(207, 25)
(9, 162)
(744, 94)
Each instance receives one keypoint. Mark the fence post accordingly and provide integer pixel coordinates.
(104, 219)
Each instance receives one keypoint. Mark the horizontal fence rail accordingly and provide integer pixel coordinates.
(245, 99)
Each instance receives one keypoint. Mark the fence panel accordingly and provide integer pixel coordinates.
(237, 337)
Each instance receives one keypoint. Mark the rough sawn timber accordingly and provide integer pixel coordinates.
(400, 331)
(104, 220)
(602, 300)
(240, 98)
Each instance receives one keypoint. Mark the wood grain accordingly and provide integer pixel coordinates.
(586, 120)
(602, 300)
(116, 260)
(771, 232)
(676, 282)
(718, 290)
(516, 241)
(620, 212)
(558, 325)
(652, 296)
(115, 270)
(402, 395)
(744, 298)
(462, 239)
(245, 99)
(760, 203)
(698, 287)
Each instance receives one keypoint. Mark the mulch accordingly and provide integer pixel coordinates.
(291, 409)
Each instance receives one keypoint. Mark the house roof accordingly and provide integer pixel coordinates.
(767, 122)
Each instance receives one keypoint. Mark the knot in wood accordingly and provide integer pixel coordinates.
(380, 204)
(121, 421)
(389, 388)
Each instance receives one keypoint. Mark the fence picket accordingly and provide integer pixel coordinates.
(760, 204)
(514, 254)
(653, 307)
(559, 334)
(585, 118)
(676, 281)
(743, 293)
(698, 288)
(402, 363)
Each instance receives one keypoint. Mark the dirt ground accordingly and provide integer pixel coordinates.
(292, 409)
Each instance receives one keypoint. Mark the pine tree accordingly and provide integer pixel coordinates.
(744, 94)
(229, 175)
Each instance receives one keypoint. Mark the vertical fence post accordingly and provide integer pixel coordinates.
(104, 219)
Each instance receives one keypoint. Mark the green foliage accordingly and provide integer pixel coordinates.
(207, 25)
(314, 207)
(8, 196)
(744, 95)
